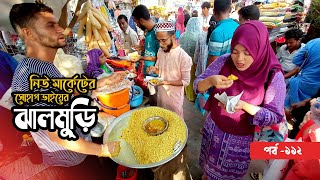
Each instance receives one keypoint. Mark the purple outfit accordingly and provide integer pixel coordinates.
(225, 149)
(93, 69)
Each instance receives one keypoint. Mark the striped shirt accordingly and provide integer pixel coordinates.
(220, 39)
(52, 153)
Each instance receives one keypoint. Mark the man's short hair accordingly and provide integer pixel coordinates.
(194, 13)
(251, 12)
(206, 5)
(221, 6)
(123, 17)
(21, 14)
(293, 33)
(141, 12)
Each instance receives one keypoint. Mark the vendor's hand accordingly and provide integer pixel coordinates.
(110, 149)
(138, 48)
(151, 69)
(94, 93)
(220, 81)
(239, 106)
(117, 77)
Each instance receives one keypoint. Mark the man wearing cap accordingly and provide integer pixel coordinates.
(173, 66)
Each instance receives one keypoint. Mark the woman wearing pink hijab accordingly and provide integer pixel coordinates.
(180, 23)
(225, 148)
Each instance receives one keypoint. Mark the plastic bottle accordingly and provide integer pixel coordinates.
(315, 111)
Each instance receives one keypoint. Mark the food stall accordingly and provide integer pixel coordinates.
(280, 17)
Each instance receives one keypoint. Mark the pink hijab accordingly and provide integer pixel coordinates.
(180, 21)
(253, 35)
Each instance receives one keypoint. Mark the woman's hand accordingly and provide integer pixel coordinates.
(239, 106)
(219, 81)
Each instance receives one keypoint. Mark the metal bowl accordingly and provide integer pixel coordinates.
(154, 119)
(126, 156)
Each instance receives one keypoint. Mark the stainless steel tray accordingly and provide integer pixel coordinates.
(126, 156)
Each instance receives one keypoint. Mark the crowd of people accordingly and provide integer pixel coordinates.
(194, 54)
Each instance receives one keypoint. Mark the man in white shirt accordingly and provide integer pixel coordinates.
(205, 17)
(129, 36)
(287, 51)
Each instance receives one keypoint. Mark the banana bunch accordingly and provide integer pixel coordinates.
(97, 26)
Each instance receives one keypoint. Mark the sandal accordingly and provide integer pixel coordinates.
(256, 175)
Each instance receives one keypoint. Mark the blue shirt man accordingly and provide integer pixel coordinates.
(143, 20)
(220, 39)
(151, 46)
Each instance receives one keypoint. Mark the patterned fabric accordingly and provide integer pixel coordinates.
(188, 41)
(164, 26)
(52, 153)
(223, 156)
(189, 38)
(201, 54)
(273, 133)
(220, 39)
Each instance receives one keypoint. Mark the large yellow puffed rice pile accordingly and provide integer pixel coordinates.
(151, 149)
